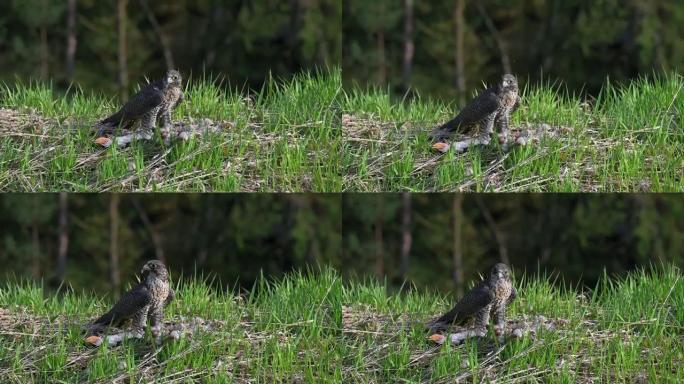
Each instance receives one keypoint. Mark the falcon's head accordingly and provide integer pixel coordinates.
(509, 81)
(500, 271)
(173, 77)
(155, 268)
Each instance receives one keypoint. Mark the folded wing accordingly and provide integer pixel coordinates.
(473, 301)
(130, 303)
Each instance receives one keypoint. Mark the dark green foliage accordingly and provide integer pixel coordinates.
(232, 238)
(573, 235)
(577, 42)
(247, 41)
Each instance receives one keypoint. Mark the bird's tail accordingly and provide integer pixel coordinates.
(445, 130)
(94, 328)
(104, 128)
(443, 322)
(435, 326)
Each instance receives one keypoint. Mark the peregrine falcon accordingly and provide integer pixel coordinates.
(147, 299)
(494, 105)
(491, 296)
(155, 101)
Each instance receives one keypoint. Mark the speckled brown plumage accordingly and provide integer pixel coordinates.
(492, 106)
(145, 300)
(489, 297)
(156, 100)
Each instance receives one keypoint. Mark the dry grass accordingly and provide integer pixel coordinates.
(627, 139)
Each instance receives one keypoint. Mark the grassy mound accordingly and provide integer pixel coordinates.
(310, 327)
(625, 330)
(283, 138)
(630, 138)
(284, 331)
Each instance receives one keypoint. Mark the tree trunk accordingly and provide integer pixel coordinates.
(499, 236)
(501, 45)
(379, 246)
(407, 238)
(207, 220)
(292, 38)
(157, 240)
(314, 253)
(382, 73)
(63, 237)
(457, 209)
(114, 274)
(163, 41)
(459, 30)
(409, 46)
(380, 46)
(70, 64)
(122, 55)
(35, 240)
(323, 43)
(284, 235)
(44, 53)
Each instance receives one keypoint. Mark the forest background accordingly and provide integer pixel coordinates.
(438, 241)
(447, 48)
(111, 47)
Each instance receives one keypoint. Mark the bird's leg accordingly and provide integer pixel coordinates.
(148, 123)
(500, 321)
(156, 317)
(489, 125)
(156, 321)
(138, 322)
(504, 127)
(484, 137)
(503, 123)
(482, 320)
(165, 118)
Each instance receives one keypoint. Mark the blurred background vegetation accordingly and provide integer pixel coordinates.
(438, 241)
(442, 241)
(99, 242)
(446, 48)
(112, 45)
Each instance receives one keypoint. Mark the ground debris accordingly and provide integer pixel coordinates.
(515, 329)
(23, 123)
(179, 131)
(366, 129)
(378, 145)
(171, 330)
(523, 135)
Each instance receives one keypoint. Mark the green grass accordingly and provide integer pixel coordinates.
(624, 331)
(312, 327)
(630, 138)
(283, 331)
(286, 138)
